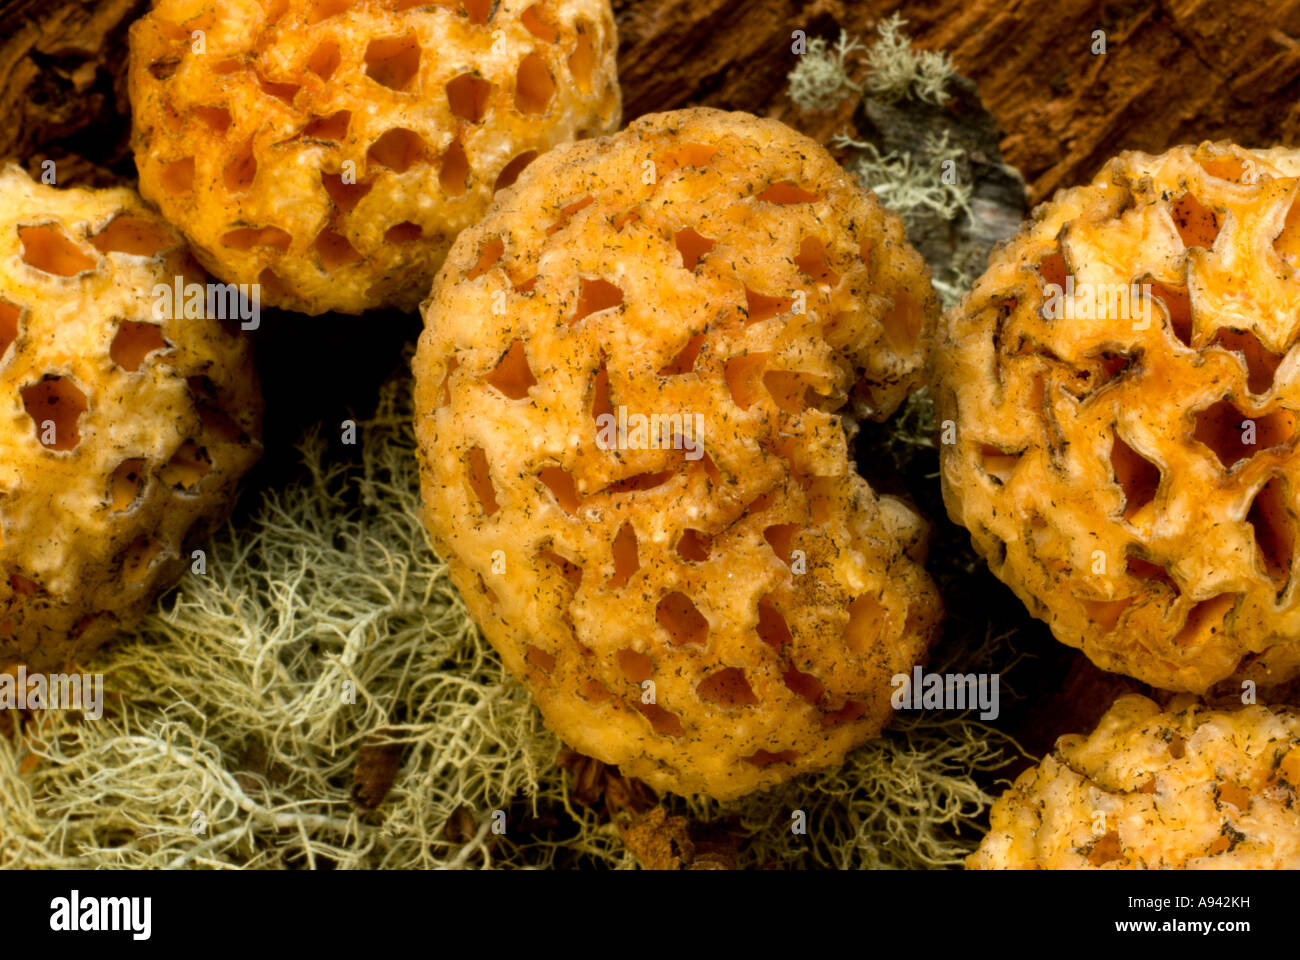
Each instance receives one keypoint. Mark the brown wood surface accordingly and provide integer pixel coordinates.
(62, 83)
(1174, 71)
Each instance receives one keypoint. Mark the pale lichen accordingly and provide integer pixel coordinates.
(897, 69)
(240, 704)
(229, 739)
(927, 184)
(821, 79)
(912, 184)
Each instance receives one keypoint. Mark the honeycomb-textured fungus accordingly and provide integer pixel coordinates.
(721, 605)
(1118, 386)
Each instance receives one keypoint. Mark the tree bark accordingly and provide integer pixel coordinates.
(1173, 72)
(63, 85)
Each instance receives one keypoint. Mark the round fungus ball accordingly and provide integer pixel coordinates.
(632, 404)
(331, 150)
(1187, 787)
(122, 435)
(1123, 386)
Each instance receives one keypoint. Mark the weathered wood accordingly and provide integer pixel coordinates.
(1174, 71)
(62, 85)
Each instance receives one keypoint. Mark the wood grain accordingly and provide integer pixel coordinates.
(62, 84)
(1177, 71)
(1174, 71)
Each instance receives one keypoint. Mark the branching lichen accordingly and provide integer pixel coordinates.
(907, 800)
(232, 728)
(913, 184)
(927, 186)
(229, 738)
(821, 79)
(898, 70)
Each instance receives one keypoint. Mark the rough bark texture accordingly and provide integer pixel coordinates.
(62, 85)
(1174, 70)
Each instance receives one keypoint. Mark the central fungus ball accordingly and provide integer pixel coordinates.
(127, 420)
(1121, 388)
(631, 410)
(331, 150)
